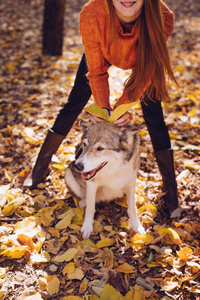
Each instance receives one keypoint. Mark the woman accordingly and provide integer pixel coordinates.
(130, 35)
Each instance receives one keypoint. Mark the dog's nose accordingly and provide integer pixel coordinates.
(79, 167)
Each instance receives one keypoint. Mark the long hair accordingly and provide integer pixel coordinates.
(153, 61)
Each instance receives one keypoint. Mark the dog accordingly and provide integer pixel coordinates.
(105, 168)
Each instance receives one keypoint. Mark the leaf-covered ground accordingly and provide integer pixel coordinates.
(43, 254)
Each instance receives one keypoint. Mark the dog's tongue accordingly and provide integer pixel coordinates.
(88, 175)
(92, 173)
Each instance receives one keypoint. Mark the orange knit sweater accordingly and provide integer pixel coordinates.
(94, 29)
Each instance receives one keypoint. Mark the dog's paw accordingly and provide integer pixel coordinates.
(86, 230)
(138, 227)
(82, 203)
(141, 229)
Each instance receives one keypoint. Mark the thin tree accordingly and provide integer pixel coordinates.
(53, 23)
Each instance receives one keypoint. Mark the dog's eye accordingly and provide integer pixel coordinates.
(100, 148)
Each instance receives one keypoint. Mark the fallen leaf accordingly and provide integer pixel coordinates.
(78, 274)
(171, 234)
(67, 255)
(15, 251)
(53, 284)
(185, 253)
(69, 268)
(109, 293)
(105, 243)
(124, 268)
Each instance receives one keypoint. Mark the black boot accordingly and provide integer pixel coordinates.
(40, 170)
(166, 166)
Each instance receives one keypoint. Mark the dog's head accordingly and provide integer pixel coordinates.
(104, 144)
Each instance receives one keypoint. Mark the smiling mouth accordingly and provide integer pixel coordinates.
(89, 175)
(128, 4)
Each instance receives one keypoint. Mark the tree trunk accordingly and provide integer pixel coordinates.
(53, 27)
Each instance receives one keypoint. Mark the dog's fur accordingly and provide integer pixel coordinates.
(105, 168)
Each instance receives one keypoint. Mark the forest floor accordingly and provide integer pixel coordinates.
(42, 252)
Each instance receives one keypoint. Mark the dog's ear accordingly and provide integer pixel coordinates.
(85, 124)
(129, 140)
(127, 134)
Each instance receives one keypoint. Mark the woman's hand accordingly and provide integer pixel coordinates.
(124, 120)
(96, 119)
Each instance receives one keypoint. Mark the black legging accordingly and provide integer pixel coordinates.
(79, 96)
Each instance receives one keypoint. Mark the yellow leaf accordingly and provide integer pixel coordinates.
(94, 297)
(54, 232)
(105, 243)
(193, 98)
(124, 268)
(10, 65)
(88, 243)
(109, 293)
(108, 228)
(117, 113)
(26, 241)
(2, 272)
(192, 112)
(97, 226)
(83, 287)
(141, 238)
(40, 258)
(69, 268)
(129, 296)
(2, 293)
(8, 210)
(71, 298)
(138, 293)
(173, 235)
(64, 223)
(150, 208)
(189, 163)
(124, 225)
(45, 215)
(59, 166)
(15, 251)
(97, 111)
(10, 197)
(38, 246)
(67, 255)
(79, 212)
(142, 132)
(53, 284)
(122, 202)
(120, 110)
(10, 207)
(78, 275)
(179, 68)
(185, 253)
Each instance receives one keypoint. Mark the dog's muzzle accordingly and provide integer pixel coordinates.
(91, 174)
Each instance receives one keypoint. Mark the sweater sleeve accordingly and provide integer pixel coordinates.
(97, 65)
